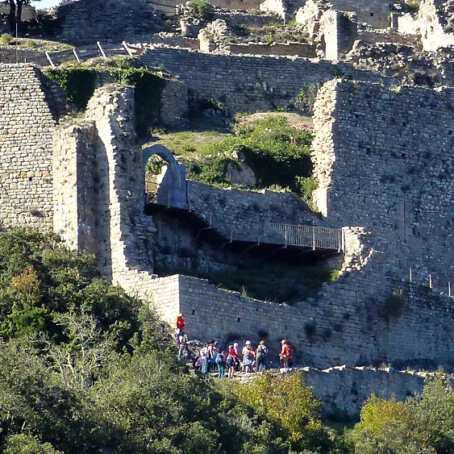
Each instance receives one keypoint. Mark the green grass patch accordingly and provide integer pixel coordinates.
(278, 153)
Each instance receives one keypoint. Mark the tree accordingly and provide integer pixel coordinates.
(290, 405)
(15, 14)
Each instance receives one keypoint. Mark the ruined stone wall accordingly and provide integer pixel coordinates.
(76, 194)
(400, 187)
(99, 168)
(432, 23)
(246, 215)
(246, 5)
(27, 119)
(343, 391)
(244, 19)
(383, 163)
(174, 103)
(387, 36)
(372, 12)
(8, 54)
(298, 49)
(247, 83)
(343, 325)
(88, 21)
(339, 31)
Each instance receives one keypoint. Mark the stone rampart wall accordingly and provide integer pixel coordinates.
(247, 5)
(298, 49)
(343, 325)
(8, 54)
(243, 19)
(401, 187)
(88, 21)
(372, 12)
(246, 215)
(26, 124)
(343, 391)
(247, 83)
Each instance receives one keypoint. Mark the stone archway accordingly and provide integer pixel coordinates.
(172, 189)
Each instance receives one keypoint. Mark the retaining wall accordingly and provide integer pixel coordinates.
(247, 83)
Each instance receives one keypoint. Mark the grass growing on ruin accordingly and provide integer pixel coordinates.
(278, 153)
(79, 83)
(38, 44)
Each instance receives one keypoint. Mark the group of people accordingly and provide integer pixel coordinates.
(212, 357)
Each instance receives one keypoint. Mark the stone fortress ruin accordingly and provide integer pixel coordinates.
(383, 161)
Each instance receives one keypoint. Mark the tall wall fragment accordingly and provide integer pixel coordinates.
(383, 160)
(27, 119)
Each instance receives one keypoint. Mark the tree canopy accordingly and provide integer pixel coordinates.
(87, 368)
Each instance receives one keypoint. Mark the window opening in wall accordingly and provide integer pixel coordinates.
(30, 178)
(193, 312)
(238, 320)
(371, 14)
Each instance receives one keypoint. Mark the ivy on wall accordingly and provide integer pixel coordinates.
(147, 94)
(79, 85)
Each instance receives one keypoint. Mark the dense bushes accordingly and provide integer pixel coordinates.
(423, 424)
(85, 368)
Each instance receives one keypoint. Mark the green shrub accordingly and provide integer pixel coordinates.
(305, 99)
(306, 186)
(394, 305)
(413, 4)
(278, 154)
(5, 39)
(422, 424)
(288, 403)
(201, 9)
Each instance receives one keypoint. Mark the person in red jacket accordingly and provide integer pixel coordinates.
(180, 323)
(286, 354)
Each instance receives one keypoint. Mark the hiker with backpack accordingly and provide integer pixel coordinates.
(248, 357)
(286, 354)
(230, 361)
(260, 357)
(220, 362)
(182, 340)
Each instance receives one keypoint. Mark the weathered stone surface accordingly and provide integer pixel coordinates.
(28, 113)
(88, 21)
(248, 83)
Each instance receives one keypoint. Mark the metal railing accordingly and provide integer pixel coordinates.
(309, 236)
(314, 237)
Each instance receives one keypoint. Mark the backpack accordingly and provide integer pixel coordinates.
(219, 359)
(262, 350)
(230, 361)
(289, 351)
